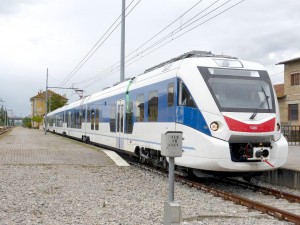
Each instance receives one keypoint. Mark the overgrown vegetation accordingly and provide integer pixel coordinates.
(56, 101)
(27, 122)
(38, 119)
(2, 116)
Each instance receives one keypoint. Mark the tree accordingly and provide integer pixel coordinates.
(27, 122)
(56, 101)
(2, 116)
(38, 119)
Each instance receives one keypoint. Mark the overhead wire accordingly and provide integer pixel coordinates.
(97, 45)
(154, 36)
(276, 74)
(139, 56)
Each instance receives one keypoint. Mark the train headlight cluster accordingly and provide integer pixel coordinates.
(214, 126)
(278, 127)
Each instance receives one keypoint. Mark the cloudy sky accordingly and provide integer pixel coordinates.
(40, 34)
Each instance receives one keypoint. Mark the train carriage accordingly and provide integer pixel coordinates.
(225, 107)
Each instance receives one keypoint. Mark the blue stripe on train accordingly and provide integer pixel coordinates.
(192, 117)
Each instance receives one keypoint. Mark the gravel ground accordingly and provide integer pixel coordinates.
(74, 194)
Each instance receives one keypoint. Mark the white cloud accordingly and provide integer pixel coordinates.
(55, 34)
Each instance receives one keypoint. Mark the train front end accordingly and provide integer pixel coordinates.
(241, 113)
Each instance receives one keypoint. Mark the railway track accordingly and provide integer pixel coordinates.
(4, 130)
(268, 191)
(247, 201)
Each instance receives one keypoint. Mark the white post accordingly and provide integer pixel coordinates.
(171, 146)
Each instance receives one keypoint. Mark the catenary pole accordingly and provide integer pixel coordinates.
(122, 71)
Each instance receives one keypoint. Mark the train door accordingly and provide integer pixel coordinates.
(120, 124)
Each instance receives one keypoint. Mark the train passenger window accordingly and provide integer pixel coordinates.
(140, 102)
(112, 122)
(97, 120)
(185, 98)
(80, 119)
(88, 115)
(83, 115)
(129, 122)
(69, 119)
(59, 120)
(153, 106)
(171, 94)
(73, 119)
(92, 119)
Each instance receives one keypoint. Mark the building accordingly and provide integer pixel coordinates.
(38, 104)
(288, 93)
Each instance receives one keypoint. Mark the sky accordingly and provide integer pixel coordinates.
(54, 34)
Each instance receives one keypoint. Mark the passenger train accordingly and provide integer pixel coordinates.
(226, 109)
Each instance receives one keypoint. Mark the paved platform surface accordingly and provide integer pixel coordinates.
(293, 161)
(32, 147)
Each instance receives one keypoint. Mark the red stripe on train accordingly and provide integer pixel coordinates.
(235, 125)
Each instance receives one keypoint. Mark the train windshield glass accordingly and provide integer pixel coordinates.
(234, 93)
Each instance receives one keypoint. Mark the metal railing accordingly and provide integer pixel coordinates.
(291, 133)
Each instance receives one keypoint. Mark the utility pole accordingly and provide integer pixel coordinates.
(46, 97)
(1, 100)
(122, 71)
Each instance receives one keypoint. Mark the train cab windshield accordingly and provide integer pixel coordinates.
(240, 90)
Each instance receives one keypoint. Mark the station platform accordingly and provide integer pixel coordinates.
(289, 174)
(24, 146)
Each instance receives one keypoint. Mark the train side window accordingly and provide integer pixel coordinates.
(73, 118)
(140, 104)
(69, 119)
(185, 98)
(80, 119)
(97, 120)
(112, 122)
(83, 115)
(129, 117)
(171, 94)
(153, 106)
(92, 119)
(88, 115)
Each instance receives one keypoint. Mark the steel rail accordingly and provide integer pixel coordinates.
(3, 131)
(278, 213)
(265, 190)
(272, 211)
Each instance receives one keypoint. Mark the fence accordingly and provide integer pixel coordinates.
(291, 133)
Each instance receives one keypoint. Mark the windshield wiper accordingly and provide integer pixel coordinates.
(261, 104)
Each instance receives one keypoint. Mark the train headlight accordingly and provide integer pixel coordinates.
(278, 127)
(214, 126)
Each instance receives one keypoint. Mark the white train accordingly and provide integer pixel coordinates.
(226, 108)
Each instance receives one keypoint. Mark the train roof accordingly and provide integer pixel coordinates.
(191, 54)
(156, 71)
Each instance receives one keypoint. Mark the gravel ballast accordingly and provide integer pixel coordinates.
(74, 194)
